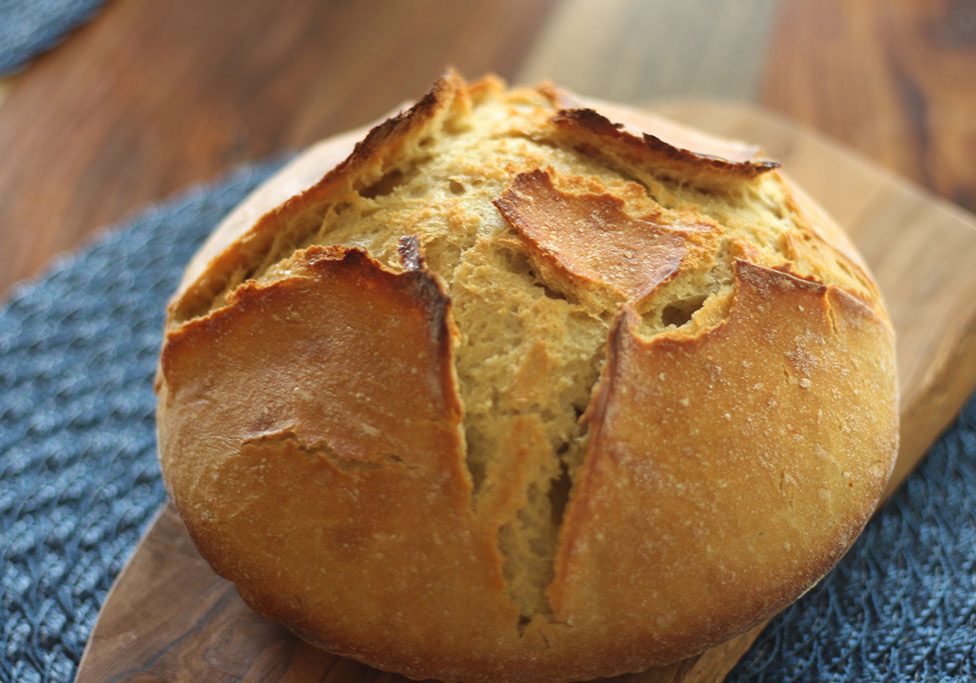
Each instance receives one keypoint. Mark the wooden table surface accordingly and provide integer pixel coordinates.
(153, 96)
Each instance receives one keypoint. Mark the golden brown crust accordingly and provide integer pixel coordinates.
(383, 140)
(294, 178)
(279, 530)
(315, 441)
(722, 496)
(591, 238)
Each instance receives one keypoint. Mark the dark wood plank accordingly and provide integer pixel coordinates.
(153, 96)
(170, 617)
(894, 80)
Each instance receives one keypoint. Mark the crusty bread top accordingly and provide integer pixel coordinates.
(516, 390)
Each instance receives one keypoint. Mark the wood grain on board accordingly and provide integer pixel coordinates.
(169, 617)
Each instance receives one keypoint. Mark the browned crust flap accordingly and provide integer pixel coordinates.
(648, 145)
(590, 237)
(420, 288)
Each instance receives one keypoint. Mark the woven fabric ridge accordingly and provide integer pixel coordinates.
(79, 481)
(29, 27)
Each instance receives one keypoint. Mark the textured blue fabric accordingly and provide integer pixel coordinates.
(29, 27)
(79, 481)
(901, 606)
(78, 472)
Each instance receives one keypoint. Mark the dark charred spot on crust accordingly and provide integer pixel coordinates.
(596, 123)
(419, 284)
(394, 126)
(587, 119)
(411, 254)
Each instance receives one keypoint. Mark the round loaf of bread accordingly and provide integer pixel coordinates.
(525, 388)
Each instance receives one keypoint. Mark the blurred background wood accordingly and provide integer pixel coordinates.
(635, 50)
(151, 97)
(895, 80)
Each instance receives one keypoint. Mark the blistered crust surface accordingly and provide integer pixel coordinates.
(518, 393)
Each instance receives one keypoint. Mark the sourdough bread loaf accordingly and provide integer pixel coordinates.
(525, 388)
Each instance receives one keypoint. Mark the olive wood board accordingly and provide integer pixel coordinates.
(170, 618)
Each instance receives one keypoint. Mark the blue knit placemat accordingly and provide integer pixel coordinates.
(79, 481)
(29, 27)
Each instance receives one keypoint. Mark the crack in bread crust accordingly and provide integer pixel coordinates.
(538, 239)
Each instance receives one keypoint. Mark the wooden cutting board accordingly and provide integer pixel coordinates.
(169, 617)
